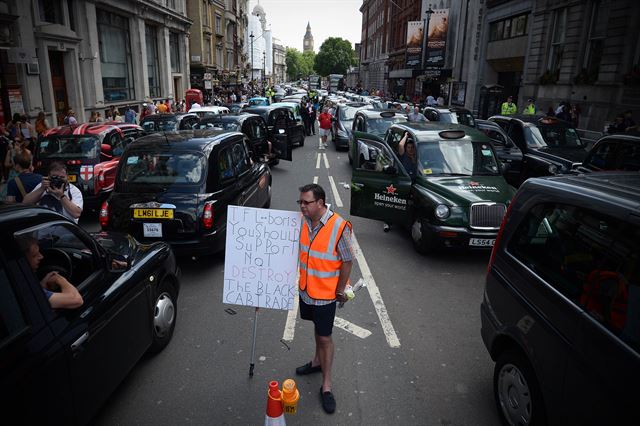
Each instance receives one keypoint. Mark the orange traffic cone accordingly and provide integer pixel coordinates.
(275, 413)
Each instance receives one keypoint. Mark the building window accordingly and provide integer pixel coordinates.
(205, 13)
(70, 9)
(171, 4)
(230, 64)
(219, 57)
(515, 26)
(153, 66)
(174, 51)
(51, 11)
(595, 43)
(207, 51)
(219, 24)
(115, 56)
(557, 39)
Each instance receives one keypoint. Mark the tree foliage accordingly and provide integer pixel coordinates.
(299, 64)
(335, 57)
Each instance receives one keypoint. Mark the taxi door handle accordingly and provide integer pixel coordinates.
(77, 345)
(358, 185)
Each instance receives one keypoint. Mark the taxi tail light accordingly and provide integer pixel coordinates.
(207, 215)
(447, 234)
(99, 181)
(496, 245)
(104, 214)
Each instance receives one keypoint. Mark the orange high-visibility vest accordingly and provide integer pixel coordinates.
(319, 262)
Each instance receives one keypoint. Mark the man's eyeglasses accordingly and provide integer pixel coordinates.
(304, 202)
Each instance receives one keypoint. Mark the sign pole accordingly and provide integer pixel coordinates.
(253, 344)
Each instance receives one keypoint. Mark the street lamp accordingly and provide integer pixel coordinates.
(425, 38)
(251, 37)
(264, 73)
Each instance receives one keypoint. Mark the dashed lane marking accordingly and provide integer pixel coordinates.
(315, 179)
(336, 195)
(318, 161)
(290, 325)
(326, 160)
(376, 297)
(356, 330)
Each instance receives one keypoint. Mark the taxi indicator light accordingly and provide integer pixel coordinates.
(452, 134)
(448, 234)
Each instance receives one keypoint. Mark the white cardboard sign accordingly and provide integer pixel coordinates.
(261, 257)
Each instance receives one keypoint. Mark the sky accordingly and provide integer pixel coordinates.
(328, 18)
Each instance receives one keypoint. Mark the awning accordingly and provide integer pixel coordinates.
(404, 73)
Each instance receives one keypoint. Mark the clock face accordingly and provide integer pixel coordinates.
(306, 43)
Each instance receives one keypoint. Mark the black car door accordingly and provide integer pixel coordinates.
(223, 182)
(295, 128)
(282, 144)
(34, 375)
(107, 335)
(509, 155)
(247, 178)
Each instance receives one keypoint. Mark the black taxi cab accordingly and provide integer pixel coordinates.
(280, 120)
(59, 366)
(255, 129)
(456, 198)
(167, 122)
(176, 186)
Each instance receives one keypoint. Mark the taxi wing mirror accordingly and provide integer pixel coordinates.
(105, 149)
(118, 263)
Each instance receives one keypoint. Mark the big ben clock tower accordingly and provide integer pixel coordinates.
(308, 40)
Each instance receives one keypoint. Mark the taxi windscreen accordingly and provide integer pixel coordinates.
(160, 125)
(162, 168)
(457, 158)
(379, 126)
(68, 147)
(229, 126)
(556, 136)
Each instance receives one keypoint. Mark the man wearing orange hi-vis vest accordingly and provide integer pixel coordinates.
(325, 264)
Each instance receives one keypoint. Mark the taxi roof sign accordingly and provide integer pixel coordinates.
(452, 134)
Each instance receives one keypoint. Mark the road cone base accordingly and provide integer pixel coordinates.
(275, 421)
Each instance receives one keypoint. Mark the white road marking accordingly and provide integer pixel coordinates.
(290, 326)
(358, 331)
(318, 161)
(376, 297)
(326, 160)
(315, 179)
(336, 195)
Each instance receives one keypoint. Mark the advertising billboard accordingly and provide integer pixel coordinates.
(437, 38)
(415, 33)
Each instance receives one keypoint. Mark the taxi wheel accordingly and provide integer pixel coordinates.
(516, 391)
(165, 310)
(421, 241)
(301, 141)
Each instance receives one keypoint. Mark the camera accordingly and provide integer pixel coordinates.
(57, 181)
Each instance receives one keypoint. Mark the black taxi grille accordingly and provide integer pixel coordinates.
(487, 215)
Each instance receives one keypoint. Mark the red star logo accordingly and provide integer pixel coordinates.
(473, 183)
(391, 190)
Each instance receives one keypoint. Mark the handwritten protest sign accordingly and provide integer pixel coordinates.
(261, 257)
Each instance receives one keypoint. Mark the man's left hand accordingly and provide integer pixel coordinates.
(342, 298)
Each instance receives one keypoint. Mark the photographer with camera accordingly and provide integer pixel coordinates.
(56, 193)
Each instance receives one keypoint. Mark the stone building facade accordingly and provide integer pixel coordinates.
(89, 56)
(279, 62)
(374, 45)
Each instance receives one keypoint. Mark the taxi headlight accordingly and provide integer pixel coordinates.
(553, 169)
(442, 211)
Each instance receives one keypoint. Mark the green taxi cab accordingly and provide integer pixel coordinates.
(455, 196)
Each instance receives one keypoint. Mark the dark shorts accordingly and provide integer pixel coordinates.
(322, 316)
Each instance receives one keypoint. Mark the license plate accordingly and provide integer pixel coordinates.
(152, 230)
(72, 178)
(481, 242)
(152, 213)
